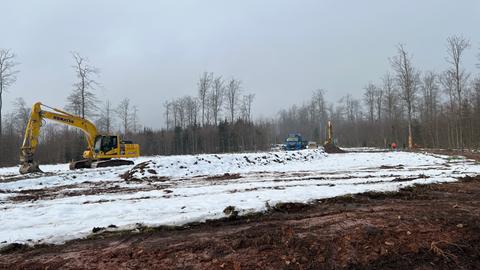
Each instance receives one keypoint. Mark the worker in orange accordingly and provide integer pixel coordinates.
(393, 146)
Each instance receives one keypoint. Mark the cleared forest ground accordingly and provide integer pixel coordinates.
(424, 227)
(431, 226)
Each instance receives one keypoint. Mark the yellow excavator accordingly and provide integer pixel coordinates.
(102, 151)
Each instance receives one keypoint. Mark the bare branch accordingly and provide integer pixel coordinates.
(82, 100)
(232, 93)
(7, 75)
(204, 85)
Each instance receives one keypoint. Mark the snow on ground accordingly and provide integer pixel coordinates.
(173, 190)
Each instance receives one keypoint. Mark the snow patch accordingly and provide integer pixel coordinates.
(173, 190)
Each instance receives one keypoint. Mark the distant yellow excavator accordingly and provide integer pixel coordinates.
(329, 134)
(330, 145)
(102, 151)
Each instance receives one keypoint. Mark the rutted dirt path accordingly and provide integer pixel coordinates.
(424, 227)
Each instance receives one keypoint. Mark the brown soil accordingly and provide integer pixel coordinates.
(466, 153)
(423, 227)
(87, 188)
(225, 176)
(332, 149)
(141, 168)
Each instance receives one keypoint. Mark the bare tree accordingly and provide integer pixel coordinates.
(350, 108)
(448, 84)
(246, 107)
(319, 105)
(135, 119)
(378, 102)
(216, 97)
(123, 114)
(191, 109)
(204, 85)
(105, 121)
(476, 105)
(407, 79)
(390, 96)
(232, 93)
(208, 110)
(175, 109)
(22, 114)
(167, 106)
(456, 45)
(184, 111)
(318, 114)
(181, 112)
(369, 98)
(82, 100)
(430, 100)
(249, 98)
(349, 111)
(7, 75)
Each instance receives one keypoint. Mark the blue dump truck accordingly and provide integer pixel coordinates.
(295, 141)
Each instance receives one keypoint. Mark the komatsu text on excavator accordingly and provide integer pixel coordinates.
(102, 151)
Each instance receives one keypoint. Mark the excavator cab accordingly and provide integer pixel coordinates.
(106, 145)
(111, 146)
(107, 149)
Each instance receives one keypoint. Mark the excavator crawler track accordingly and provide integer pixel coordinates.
(87, 163)
(111, 163)
(81, 164)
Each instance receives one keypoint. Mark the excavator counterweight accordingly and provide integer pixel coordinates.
(102, 150)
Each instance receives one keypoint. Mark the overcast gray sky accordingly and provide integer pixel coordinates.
(151, 51)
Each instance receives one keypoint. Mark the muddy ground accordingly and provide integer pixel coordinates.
(423, 227)
(449, 152)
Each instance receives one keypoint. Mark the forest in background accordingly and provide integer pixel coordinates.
(439, 109)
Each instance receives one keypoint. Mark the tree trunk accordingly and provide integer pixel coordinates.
(410, 136)
(1, 92)
(83, 97)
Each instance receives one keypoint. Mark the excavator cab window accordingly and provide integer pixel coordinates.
(98, 144)
(105, 143)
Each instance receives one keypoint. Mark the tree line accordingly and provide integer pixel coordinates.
(408, 106)
(217, 119)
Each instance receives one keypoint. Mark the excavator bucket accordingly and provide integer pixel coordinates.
(27, 164)
(29, 167)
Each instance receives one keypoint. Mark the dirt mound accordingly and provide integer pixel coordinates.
(330, 148)
(145, 170)
(139, 168)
